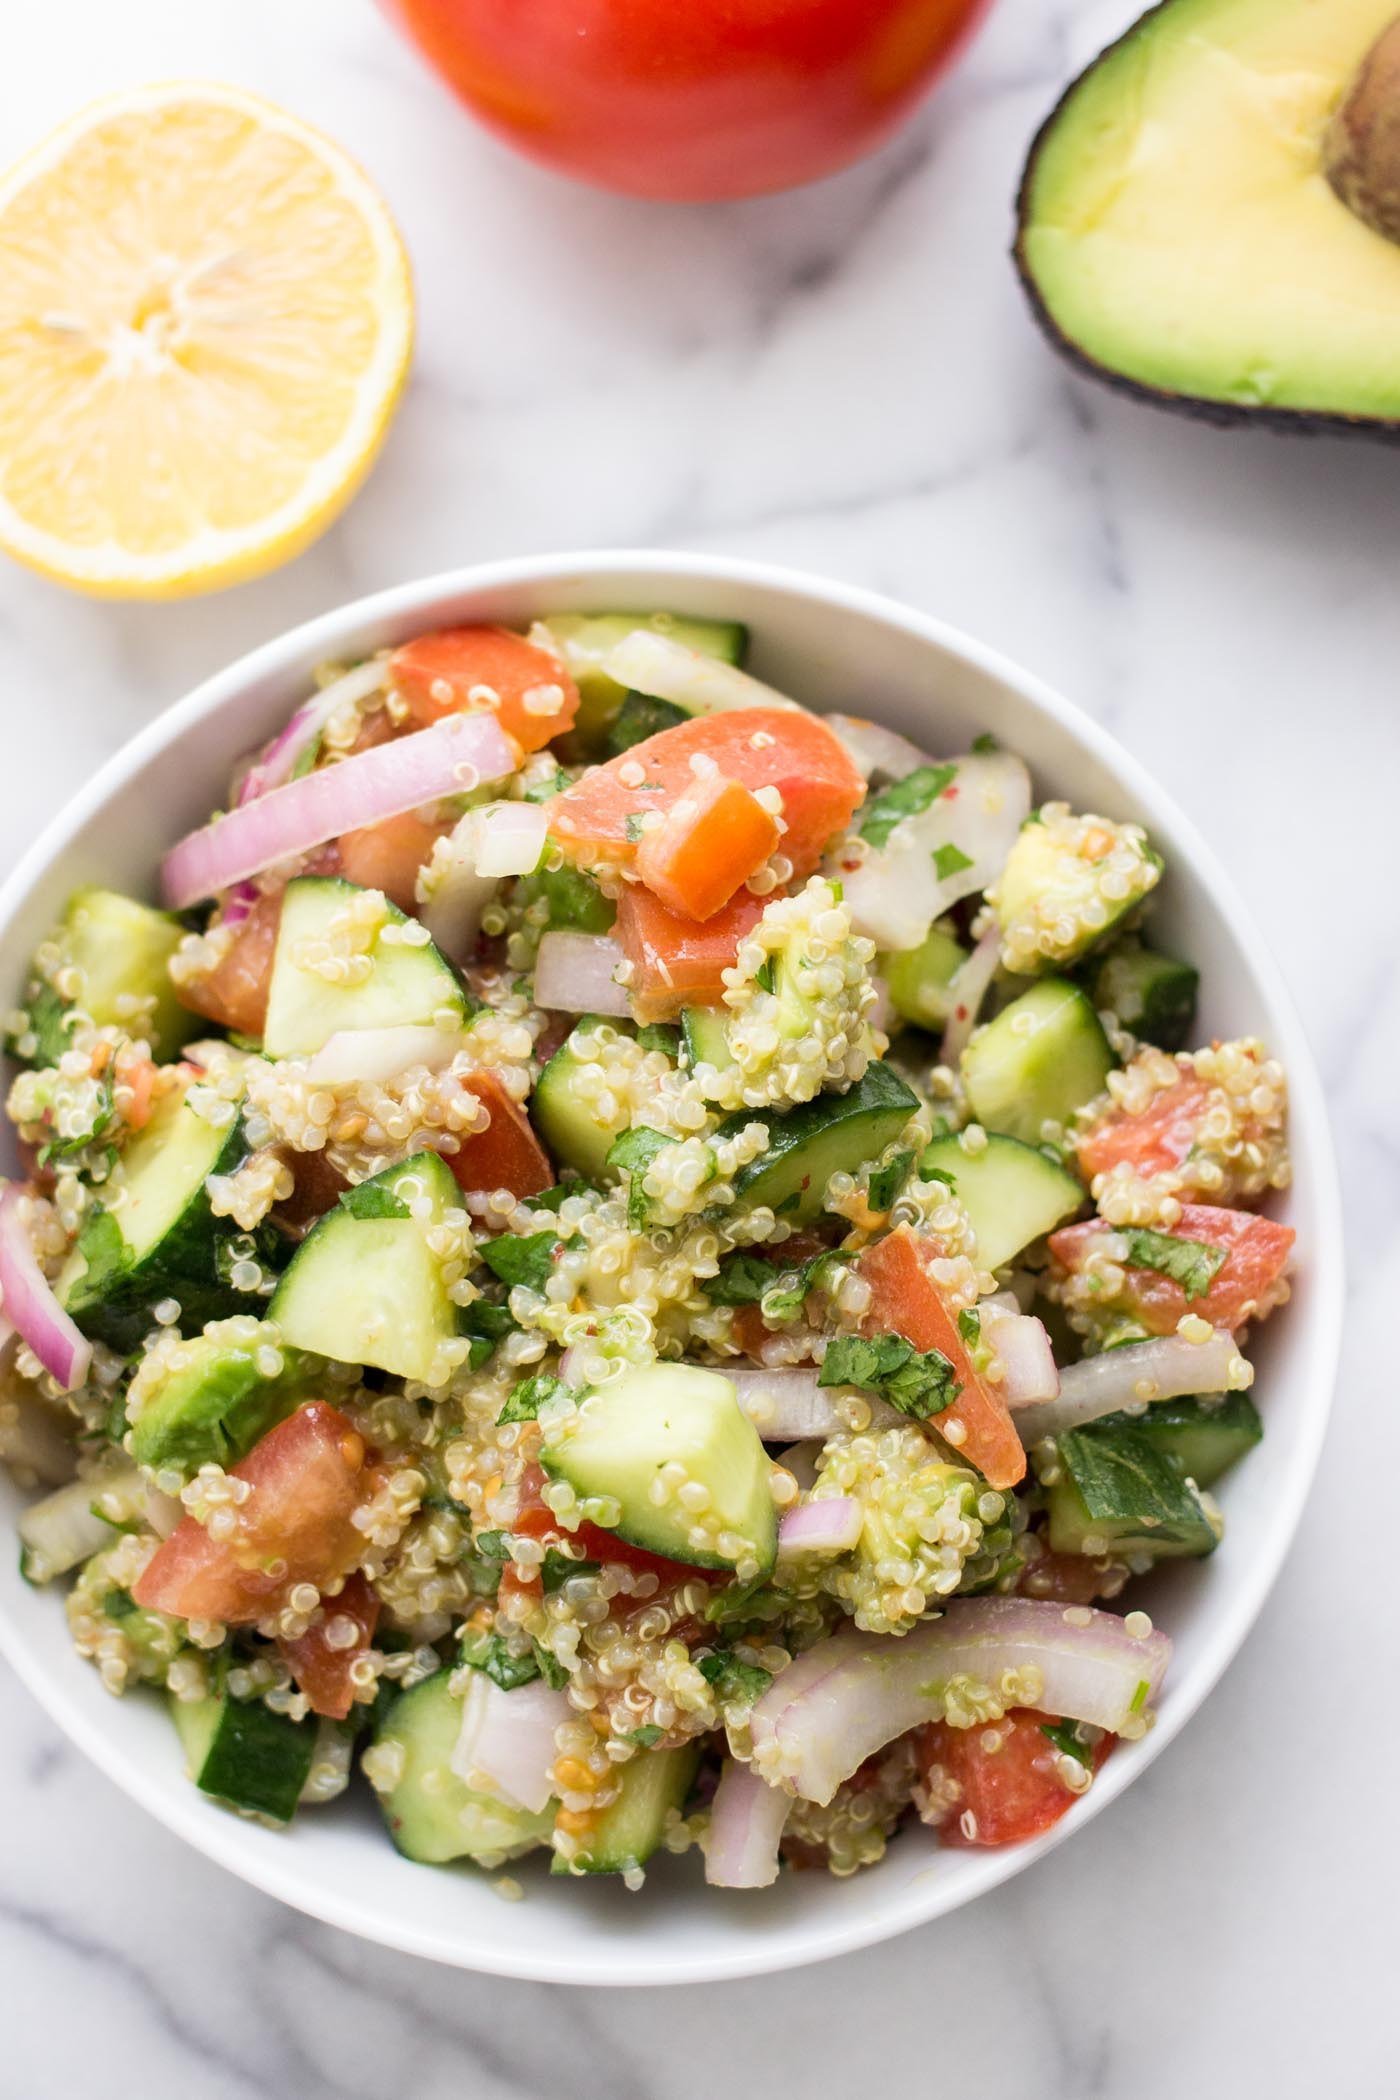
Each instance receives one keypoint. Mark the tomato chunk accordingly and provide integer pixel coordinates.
(756, 746)
(1005, 1793)
(308, 1475)
(321, 1670)
(234, 993)
(1150, 1143)
(507, 1154)
(675, 962)
(439, 674)
(388, 855)
(536, 1520)
(904, 1300)
(1245, 1287)
(709, 843)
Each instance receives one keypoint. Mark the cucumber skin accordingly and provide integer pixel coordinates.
(628, 1832)
(1019, 1094)
(872, 1113)
(1110, 1483)
(1060, 1194)
(570, 1134)
(1153, 995)
(429, 1825)
(251, 1757)
(1198, 1442)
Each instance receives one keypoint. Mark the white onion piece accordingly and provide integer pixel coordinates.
(788, 1402)
(378, 1054)
(801, 1461)
(506, 1746)
(453, 911)
(77, 1520)
(967, 990)
(30, 1305)
(817, 1732)
(455, 755)
(896, 893)
(574, 974)
(832, 1525)
(1022, 1348)
(746, 1825)
(510, 838)
(880, 753)
(1100, 1385)
(280, 757)
(655, 664)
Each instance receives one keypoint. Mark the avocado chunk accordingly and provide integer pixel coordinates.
(206, 1401)
(1181, 234)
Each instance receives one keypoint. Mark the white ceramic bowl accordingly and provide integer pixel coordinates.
(833, 647)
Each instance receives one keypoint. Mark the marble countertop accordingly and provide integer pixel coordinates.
(845, 380)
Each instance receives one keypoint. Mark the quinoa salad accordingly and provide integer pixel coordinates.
(630, 1269)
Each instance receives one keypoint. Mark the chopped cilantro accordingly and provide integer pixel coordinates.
(545, 790)
(1065, 1736)
(529, 1396)
(486, 1325)
(906, 798)
(887, 1181)
(970, 1325)
(557, 1568)
(786, 1301)
(632, 825)
(735, 1681)
(117, 1603)
(493, 1545)
(374, 1199)
(766, 975)
(553, 1672)
(950, 860)
(742, 1279)
(985, 742)
(634, 1152)
(65, 1148)
(658, 1036)
(526, 1258)
(1191, 1263)
(493, 1656)
(918, 1382)
(644, 1738)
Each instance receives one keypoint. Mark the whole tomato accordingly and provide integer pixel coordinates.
(690, 99)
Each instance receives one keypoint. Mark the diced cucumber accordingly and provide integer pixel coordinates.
(1011, 1192)
(584, 639)
(1043, 1057)
(213, 1406)
(833, 1134)
(154, 1235)
(364, 1287)
(1117, 1493)
(407, 986)
(567, 1118)
(121, 950)
(628, 1831)
(432, 1814)
(1200, 1438)
(920, 980)
(614, 1445)
(243, 1753)
(1153, 995)
(639, 717)
(705, 1039)
(573, 900)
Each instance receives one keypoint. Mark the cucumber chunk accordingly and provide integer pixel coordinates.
(1153, 995)
(573, 900)
(833, 1134)
(614, 1445)
(1200, 1438)
(243, 1753)
(214, 1403)
(1043, 1057)
(639, 717)
(121, 951)
(921, 980)
(565, 1115)
(432, 1814)
(1011, 1192)
(584, 639)
(364, 1287)
(407, 986)
(630, 1829)
(1117, 1493)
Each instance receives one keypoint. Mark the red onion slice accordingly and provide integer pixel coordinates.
(831, 1525)
(455, 755)
(653, 663)
(880, 753)
(1162, 1369)
(279, 760)
(574, 974)
(967, 991)
(506, 1746)
(896, 893)
(1022, 1348)
(746, 1825)
(377, 1054)
(1090, 1668)
(30, 1304)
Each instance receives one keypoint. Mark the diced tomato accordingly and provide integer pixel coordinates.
(536, 1520)
(535, 697)
(709, 843)
(757, 746)
(1150, 1143)
(388, 855)
(904, 1300)
(1243, 1288)
(323, 1671)
(234, 994)
(1006, 1794)
(507, 1154)
(318, 1187)
(676, 963)
(309, 1475)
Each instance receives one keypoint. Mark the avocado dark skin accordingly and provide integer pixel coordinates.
(1365, 114)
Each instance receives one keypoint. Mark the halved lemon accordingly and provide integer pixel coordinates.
(206, 317)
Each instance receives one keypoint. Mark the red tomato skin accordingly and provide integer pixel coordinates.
(437, 672)
(507, 1154)
(1153, 1142)
(387, 856)
(323, 1672)
(1014, 1792)
(675, 962)
(710, 99)
(536, 1520)
(1243, 1288)
(234, 995)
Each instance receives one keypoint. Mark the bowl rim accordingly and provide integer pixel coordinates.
(218, 1836)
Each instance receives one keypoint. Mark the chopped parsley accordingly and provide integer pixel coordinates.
(919, 1382)
(486, 1325)
(633, 826)
(985, 742)
(634, 1152)
(906, 798)
(374, 1199)
(494, 1657)
(529, 1396)
(766, 975)
(526, 1258)
(787, 1301)
(493, 1545)
(1191, 1263)
(741, 1280)
(645, 1737)
(545, 790)
(950, 860)
(970, 1325)
(735, 1682)
(887, 1181)
(1066, 1738)
(557, 1568)
(658, 1036)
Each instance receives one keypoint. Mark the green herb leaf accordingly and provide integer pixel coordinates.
(545, 790)
(487, 1326)
(645, 1737)
(970, 1325)
(887, 1181)
(735, 1681)
(906, 798)
(374, 1199)
(785, 1302)
(919, 1382)
(493, 1545)
(553, 1672)
(633, 826)
(1191, 1263)
(742, 1280)
(557, 1568)
(526, 1258)
(950, 860)
(766, 975)
(659, 1036)
(492, 1655)
(529, 1397)
(1065, 1736)
(985, 742)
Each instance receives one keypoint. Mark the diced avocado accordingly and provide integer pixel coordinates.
(1153, 995)
(409, 984)
(833, 1134)
(1200, 1438)
(620, 1447)
(432, 1814)
(1068, 882)
(243, 1753)
(364, 1287)
(573, 900)
(120, 950)
(213, 1403)
(920, 980)
(1043, 1057)
(584, 639)
(628, 1831)
(1011, 1192)
(1178, 198)
(1117, 1493)
(565, 1112)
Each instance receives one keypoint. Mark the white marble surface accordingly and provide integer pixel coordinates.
(845, 380)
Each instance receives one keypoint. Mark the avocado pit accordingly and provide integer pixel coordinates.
(1361, 150)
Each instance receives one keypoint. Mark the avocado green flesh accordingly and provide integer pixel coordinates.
(1177, 226)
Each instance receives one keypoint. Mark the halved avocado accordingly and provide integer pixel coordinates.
(1182, 230)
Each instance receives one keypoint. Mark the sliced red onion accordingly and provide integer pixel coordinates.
(30, 1304)
(238, 903)
(967, 991)
(455, 755)
(376, 1054)
(896, 893)
(830, 1525)
(1022, 1348)
(788, 1402)
(1162, 1369)
(575, 974)
(746, 1825)
(817, 1732)
(506, 1746)
(510, 838)
(653, 663)
(881, 1012)
(880, 753)
(278, 761)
